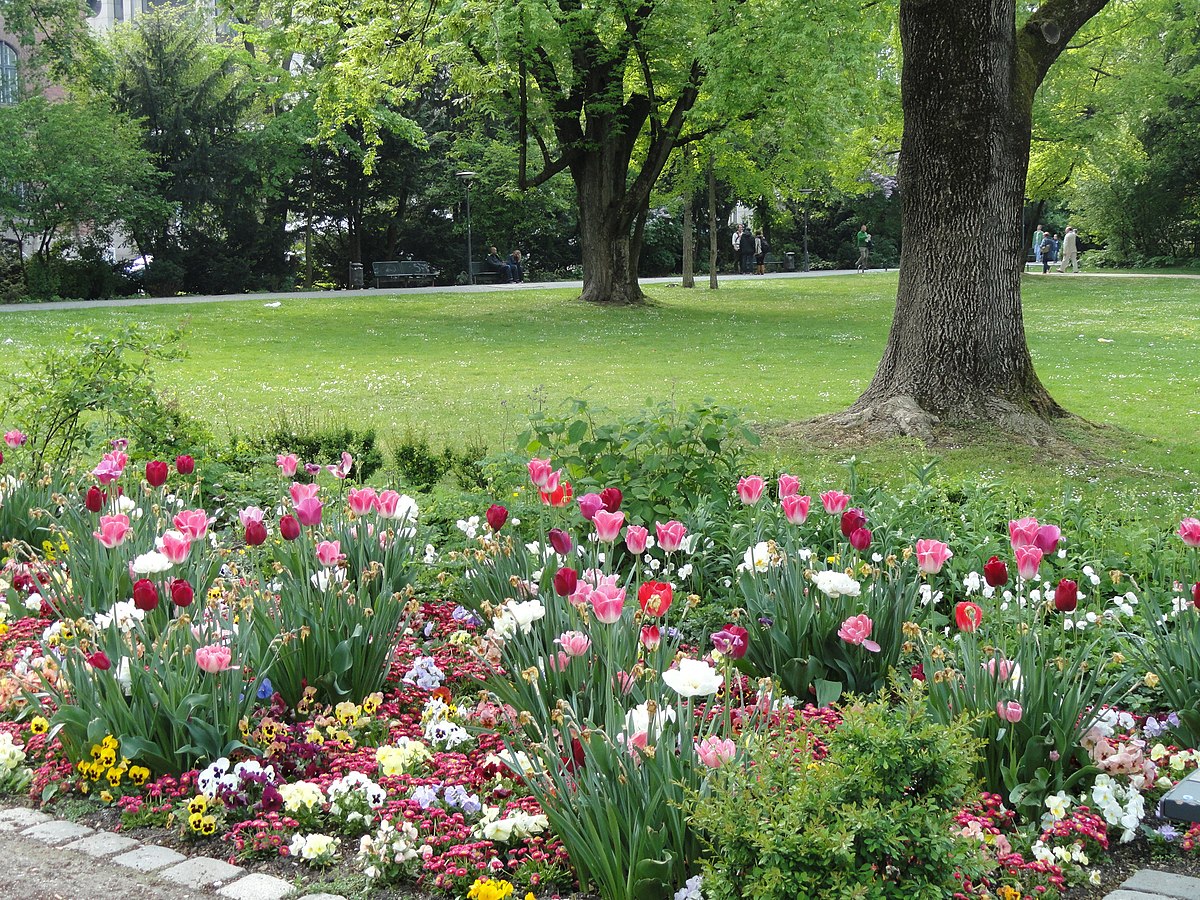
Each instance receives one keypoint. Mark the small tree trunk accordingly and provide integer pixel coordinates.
(712, 225)
(689, 245)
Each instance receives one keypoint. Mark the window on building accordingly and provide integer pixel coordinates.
(9, 82)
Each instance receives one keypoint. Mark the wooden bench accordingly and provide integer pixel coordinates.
(404, 273)
(773, 263)
(482, 272)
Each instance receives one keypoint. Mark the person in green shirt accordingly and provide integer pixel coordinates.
(1037, 242)
(863, 242)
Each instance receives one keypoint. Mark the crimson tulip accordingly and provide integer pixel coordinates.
(560, 541)
(852, 520)
(1066, 596)
(256, 533)
(731, 641)
(496, 516)
(565, 580)
(185, 465)
(145, 595)
(289, 528)
(94, 500)
(99, 660)
(182, 593)
(157, 472)
(1196, 594)
(860, 539)
(995, 572)
(612, 498)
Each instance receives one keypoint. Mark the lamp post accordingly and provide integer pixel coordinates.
(466, 177)
(806, 192)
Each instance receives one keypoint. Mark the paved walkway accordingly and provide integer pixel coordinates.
(1150, 885)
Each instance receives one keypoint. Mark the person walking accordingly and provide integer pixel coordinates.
(760, 252)
(1037, 242)
(1045, 251)
(1070, 251)
(1057, 246)
(737, 248)
(863, 242)
(747, 249)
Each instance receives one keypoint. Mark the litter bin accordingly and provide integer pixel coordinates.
(356, 275)
(789, 262)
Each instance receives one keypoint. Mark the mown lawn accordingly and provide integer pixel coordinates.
(467, 367)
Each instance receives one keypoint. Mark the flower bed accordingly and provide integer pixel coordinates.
(559, 698)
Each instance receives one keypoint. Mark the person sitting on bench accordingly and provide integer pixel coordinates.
(515, 267)
(498, 267)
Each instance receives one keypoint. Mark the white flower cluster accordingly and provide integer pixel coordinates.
(759, 558)
(835, 584)
(124, 613)
(515, 826)
(517, 614)
(440, 728)
(11, 756)
(392, 851)
(301, 796)
(469, 527)
(1061, 856)
(517, 762)
(354, 797)
(218, 776)
(316, 849)
(402, 757)
(1123, 806)
(691, 889)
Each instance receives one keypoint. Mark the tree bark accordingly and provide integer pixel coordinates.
(957, 346)
(689, 244)
(713, 284)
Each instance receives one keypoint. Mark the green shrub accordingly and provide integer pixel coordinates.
(323, 442)
(422, 468)
(873, 819)
(668, 461)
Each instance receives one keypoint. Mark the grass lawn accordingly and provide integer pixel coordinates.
(1119, 352)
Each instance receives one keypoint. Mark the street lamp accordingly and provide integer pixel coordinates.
(806, 192)
(466, 177)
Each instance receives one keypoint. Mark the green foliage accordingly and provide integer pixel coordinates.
(85, 275)
(78, 396)
(321, 440)
(422, 468)
(667, 460)
(872, 819)
(1170, 648)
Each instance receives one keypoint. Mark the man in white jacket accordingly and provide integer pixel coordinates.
(1070, 251)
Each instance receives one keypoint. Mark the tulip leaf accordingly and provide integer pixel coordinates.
(827, 691)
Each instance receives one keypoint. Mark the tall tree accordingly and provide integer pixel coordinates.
(957, 346)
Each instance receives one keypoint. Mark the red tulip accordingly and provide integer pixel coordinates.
(852, 520)
(560, 496)
(612, 498)
(157, 472)
(560, 541)
(181, 592)
(289, 528)
(860, 539)
(1196, 594)
(565, 580)
(145, 595)
(256, 533)
(99, 660)
(655, 598)
(1066, 596)
(94, 500)
(967, 615)
(185, 465)
(995, 572)
(496, 516)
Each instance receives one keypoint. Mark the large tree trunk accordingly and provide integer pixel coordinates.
(957, 346)
(610, 242)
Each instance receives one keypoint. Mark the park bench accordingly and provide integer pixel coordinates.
(773, 263)
(483, 273)
(404, 273)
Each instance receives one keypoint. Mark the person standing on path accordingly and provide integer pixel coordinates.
(1037, 242)
(1070, 251)
(737, 249)
(863, 242)
(747, 248)
(1045, 251)
(761, 247)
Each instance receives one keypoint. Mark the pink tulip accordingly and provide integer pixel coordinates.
(329, 552)
(14, 438)
(287, 463)
(308, 511)
(636, 538)
(111, 466)
(1047, 538)
(835, 502)
(1029, 559)
(999, 669)
(303, 491)
(608, 525)
(750, 489)
(342, 469)
(552, 481)
(214, 658)
(714, 752)
(857, 630)
(113, 531)
(361, 500)
(574, 643)
(590, 504)
(1009, 711)
(789, 486)
(1189, 532)
(624, 682)
(250, 514)
(932, 555)
(796, 508)
(387, 503)
(539, 472)
(193, 523)
(670, 536)
(650, 637)
(558, 662)
(175, 546)
(1023, 532)
(607, 602)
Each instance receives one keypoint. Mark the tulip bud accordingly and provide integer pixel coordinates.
(145, 595)
(496, 516)
(289, 528)
(612, 498)
(256, 533)
(560, 541)
(99, 660)
(181, 592)
(1196, 594)
(565, 580)
(852, 520)
(995, 572)
(185, 465)
(94, 500)
(1066, 596)
(860, 539)
(156, 472)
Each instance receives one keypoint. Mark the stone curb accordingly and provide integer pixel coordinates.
(197, 872)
